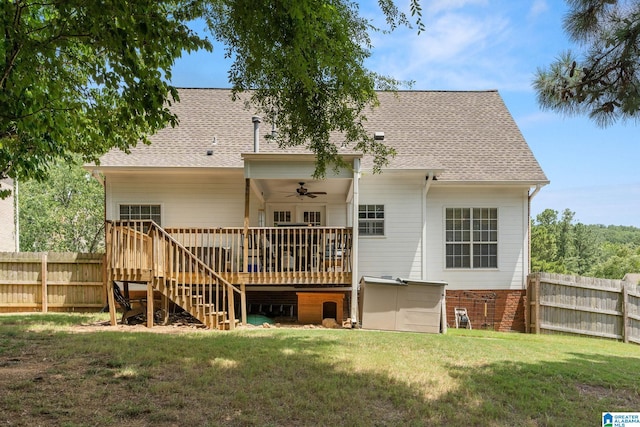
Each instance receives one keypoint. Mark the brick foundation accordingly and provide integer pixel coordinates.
(497, 310)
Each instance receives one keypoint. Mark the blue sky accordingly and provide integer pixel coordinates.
(499, 44)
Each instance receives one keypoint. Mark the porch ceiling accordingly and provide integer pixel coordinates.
(284, 190)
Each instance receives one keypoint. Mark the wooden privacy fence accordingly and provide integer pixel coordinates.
(51, 282)
(583, 305)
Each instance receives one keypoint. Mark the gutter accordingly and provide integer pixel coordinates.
(530, 197)
(427, 186)
(355, 255)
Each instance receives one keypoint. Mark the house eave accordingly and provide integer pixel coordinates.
(162, 170)
(408, 171)
(514, 183)
(292, 157)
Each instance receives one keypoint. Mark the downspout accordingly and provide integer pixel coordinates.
(531, 196)
(247, 194)
(427, 185)
(354, 243)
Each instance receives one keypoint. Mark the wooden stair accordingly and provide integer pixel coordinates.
(175, 272)
(191, 299)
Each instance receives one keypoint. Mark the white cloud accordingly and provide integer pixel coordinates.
(436, 6)
(452, 37)
(538, 7)
(459, 50)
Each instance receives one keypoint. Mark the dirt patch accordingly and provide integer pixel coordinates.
(621, 397)
(184, 323)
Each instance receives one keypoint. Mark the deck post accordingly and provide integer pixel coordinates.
(232, 310)
(164, 302)
(354, 243)
(243, 302)
(150, 304)
(245, 234)
(112, 302)
(109, 253)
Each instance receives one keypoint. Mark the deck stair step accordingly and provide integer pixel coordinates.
(225, 324)
(212, 312)
(183, 290)
(196, 303)
(195, 291)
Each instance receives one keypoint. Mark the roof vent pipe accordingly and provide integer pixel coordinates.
(256, 133)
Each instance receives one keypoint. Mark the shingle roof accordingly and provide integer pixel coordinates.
(470, 135)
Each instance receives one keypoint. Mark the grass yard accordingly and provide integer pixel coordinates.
(54, 372)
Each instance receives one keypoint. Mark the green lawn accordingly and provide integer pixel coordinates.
(51, 374)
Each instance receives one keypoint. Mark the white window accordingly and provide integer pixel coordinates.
(312, 217)
(371, 220)
(140, 212)
(281, 217)
(471, 237)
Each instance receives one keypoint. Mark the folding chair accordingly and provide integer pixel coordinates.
(462, 318)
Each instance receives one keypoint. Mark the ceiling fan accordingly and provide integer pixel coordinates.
(302, 191)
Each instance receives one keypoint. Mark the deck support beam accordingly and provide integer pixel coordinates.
(245, 234)
(150, 304)
(112, 302)
(354, 242)
(164, 302)
(243, 302)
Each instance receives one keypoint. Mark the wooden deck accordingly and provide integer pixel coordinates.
(203, 270)
(273, 255)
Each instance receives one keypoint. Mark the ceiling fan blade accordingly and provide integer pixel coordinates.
(311, 195)
(317, 192)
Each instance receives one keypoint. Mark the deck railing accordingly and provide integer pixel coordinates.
(268, 254)
(143, 251)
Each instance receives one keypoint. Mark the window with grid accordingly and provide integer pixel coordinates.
(281, 217)
(139, 212)
(312, 217)
(471, 237)
(371, 220)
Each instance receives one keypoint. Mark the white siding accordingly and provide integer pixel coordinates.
(192, 200)
(337, 215)
(217, 200)
(7, 220)
(289, 170)
(399, 252)
(512, 236)
(202, 200)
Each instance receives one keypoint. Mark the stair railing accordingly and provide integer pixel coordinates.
(176, 272)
